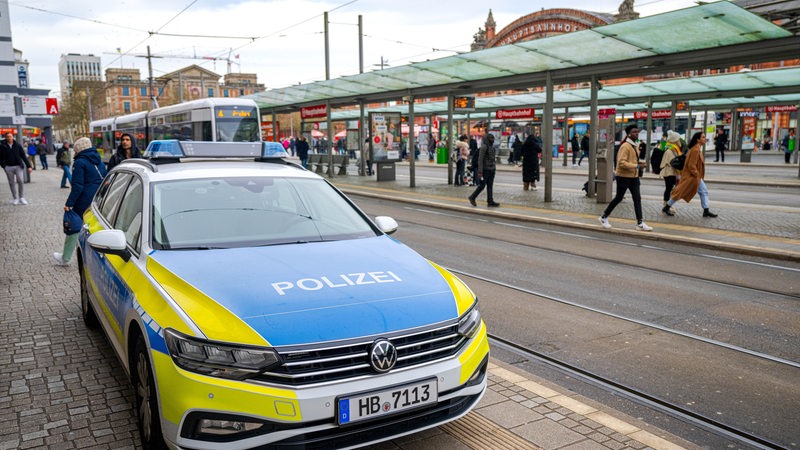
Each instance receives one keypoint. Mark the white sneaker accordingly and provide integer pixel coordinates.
(604, 222)
(22, 201)
(15, 202)
(644, 227)
(574, 165)
(59, 259)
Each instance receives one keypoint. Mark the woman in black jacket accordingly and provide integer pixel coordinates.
(530, 163)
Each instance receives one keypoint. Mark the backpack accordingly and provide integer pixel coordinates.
(655, 160)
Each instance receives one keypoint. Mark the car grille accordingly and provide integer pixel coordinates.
(308, 365)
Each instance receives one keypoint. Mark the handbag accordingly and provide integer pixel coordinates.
(678, 162)
(72, 222)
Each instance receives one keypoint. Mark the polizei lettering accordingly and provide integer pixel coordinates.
(336, 281)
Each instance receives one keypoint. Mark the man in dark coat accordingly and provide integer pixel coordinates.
(127, 149)
(486, 171)
(14, 162)
(301, 146)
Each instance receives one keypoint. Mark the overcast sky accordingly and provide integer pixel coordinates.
(285, 42)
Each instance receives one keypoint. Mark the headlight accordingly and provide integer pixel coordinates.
(470, 322)
(217, 359)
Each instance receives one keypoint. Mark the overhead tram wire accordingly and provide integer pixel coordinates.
(149, 35)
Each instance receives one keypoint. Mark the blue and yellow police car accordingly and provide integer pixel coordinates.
(254, 305)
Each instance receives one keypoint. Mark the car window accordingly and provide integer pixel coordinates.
(252, 211)
(129, 217)
(114, 196)
(102, 190)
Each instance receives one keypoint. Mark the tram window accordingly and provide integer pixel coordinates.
(203, 131)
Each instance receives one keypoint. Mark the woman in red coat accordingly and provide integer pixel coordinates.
(691, 183)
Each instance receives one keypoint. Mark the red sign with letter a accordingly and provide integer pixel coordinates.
(51, 106)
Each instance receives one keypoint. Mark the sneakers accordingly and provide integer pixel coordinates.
(15, 202)
(22, 201)
(604, 222)
(644, 227)
(59, 259)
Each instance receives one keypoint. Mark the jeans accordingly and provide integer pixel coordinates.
(43, 159)
(627, 184)
(703, 192)
(488, 183)
(304, 162)
(460, 165)
(67, 176)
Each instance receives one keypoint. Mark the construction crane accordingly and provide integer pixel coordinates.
(207, 58)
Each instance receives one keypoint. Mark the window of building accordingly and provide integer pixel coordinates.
(126, 106)
(241, 91)
(143, 91)
(225, 93)
(210, 92)
(126, 91)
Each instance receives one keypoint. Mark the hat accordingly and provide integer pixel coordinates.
(673, 137)
(82, 144)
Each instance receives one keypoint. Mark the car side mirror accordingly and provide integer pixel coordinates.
(386, 224)
(111, 242)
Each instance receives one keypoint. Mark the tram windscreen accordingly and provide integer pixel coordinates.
(237, 124)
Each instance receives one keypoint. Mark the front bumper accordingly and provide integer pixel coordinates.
(306, 417)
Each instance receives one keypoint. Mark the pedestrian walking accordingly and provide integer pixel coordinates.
(41, 152)
(627, 173)
(692, 175)
(720, 142)
(88, 173)
(530, 162)
(461, 155)
(64, 160)
(32, 153)
(486, 171)
(302, 147)
(576, 147)
(14, 162)
(669, 173)
(584, 147)
(788, 145)
(127, 149)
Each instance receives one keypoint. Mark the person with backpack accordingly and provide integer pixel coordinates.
(486, 171)
(64, 160)
(691, 183)
(665, 169)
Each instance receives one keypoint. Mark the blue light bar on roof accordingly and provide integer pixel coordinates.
(197, 149)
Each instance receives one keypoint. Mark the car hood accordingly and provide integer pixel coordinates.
(306, 293)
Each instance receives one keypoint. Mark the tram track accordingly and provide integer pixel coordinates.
(617, 262)
(665, 407)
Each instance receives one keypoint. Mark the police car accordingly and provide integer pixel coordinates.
(254, 305)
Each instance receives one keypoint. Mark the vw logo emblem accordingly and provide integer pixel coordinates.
(382, 355)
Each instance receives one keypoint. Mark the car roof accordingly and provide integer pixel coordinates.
(186, 170)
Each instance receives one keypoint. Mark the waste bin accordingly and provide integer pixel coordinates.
(745, 155)
(441, 155)
(385, 171)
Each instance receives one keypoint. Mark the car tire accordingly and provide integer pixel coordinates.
(87, 311)
(144, 389)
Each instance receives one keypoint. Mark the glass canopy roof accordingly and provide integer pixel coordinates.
(707, 91)
(705, 26)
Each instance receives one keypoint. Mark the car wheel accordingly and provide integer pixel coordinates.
(146, 403)
(89, 317)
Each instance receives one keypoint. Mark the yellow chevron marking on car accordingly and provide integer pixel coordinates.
(183, 391)
(473, 355)
(465, 298)
(216, 322)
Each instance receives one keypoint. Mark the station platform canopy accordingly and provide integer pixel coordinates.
(710, 35)
(749, 88)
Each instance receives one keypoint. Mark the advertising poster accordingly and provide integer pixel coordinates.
(384, 136)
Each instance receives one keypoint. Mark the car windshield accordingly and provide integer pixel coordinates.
(253, 211)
